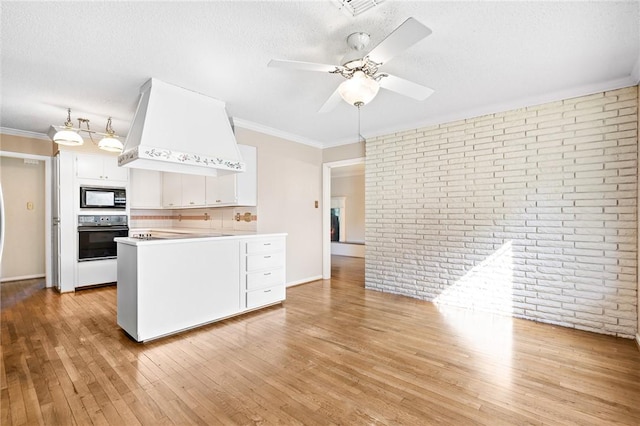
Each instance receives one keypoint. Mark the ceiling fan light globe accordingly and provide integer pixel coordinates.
(110, 144)
(359, 89)
(68, 137)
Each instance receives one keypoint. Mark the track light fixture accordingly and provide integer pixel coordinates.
(70, 136)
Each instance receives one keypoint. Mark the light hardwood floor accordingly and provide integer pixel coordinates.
(334, 353)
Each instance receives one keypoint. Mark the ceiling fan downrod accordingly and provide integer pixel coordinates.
(358, 105)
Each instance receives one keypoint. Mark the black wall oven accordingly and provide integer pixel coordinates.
(96, 234)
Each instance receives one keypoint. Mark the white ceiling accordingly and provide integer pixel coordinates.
(482, 57)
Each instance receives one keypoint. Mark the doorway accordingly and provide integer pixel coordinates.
(327, 169)
(27, 222)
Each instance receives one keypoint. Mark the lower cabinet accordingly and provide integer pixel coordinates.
(96, 272)
(168, 286)
(263, 271)
(265, 296)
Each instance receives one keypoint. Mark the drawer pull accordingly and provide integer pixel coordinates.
(267, 257)
(267, 273)
(267, 244)
(268, 291)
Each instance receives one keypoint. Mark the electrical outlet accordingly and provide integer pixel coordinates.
(29, 205)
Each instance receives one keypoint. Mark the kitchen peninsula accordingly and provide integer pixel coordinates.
(172, 283)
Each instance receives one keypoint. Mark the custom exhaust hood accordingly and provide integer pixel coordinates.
(178, 130)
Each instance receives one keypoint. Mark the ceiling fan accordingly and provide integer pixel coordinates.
(361, 70)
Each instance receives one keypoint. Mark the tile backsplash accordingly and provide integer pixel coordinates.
(214, 219)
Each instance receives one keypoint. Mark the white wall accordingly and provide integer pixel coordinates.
(24, 251)
(530, 213)
(289, 184)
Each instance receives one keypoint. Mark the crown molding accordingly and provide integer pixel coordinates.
(24, 133)
(340, 142)
(632, 80)
(559, 95)
(250, 125)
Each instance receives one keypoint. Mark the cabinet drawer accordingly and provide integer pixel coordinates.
(264, 261)
(265, 279)
(265, 297)
(262, 246)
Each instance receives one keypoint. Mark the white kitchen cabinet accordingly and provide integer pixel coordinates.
(235, 189)
(100, 167)
(182, 190)
(263, 271)
(96, 272)
(165, 288)
(193, 191)
(67, 222)
(168, 286)
(171, 190)
(221, 190)
(145, 189)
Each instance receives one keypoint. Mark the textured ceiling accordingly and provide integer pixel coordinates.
(481, 57)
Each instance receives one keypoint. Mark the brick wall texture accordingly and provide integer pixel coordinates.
(530, 213)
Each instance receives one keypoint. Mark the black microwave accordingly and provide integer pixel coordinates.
(102, 198)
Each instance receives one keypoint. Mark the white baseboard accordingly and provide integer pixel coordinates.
(638, 340)
(304, 280)
(23, 277)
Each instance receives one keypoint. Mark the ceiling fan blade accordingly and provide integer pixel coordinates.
(331, 103)
(406, 35)
(297, 65)
(406, 87)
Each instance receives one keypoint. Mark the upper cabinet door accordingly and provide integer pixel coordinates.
(235, 189)
(171, 190)
(193, 190)
(182, 190)
(221, 190)
(100, 167)
(89, 166)
(113, 172)
(146, 189)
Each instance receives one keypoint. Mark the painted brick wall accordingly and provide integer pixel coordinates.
(530, 212)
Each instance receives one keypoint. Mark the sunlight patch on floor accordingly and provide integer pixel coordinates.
(486, 337)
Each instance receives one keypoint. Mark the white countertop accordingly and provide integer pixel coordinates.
(185, 237)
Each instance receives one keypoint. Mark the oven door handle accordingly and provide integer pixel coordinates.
(102, 228)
